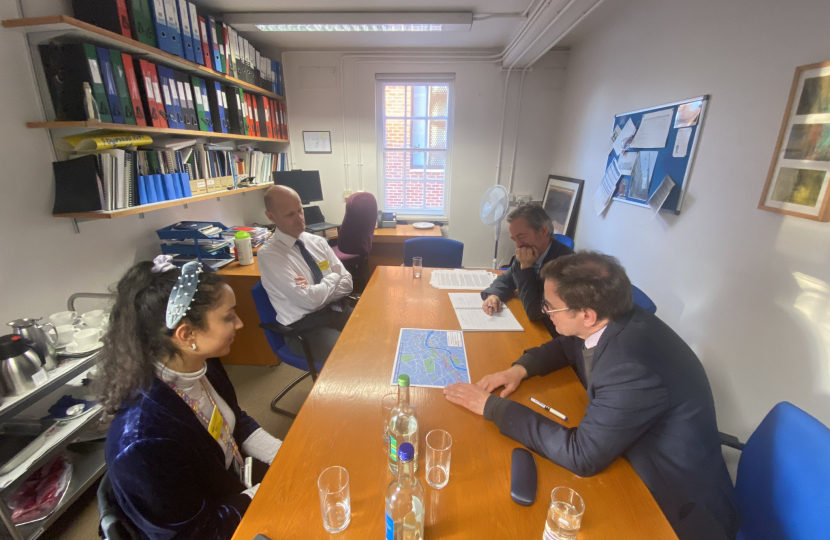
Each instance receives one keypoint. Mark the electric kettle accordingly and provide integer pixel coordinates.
(31, 330)
(21, 366)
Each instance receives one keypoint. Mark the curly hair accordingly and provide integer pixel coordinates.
(138, 333)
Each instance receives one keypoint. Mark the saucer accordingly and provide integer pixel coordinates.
(73, 348)
(423, 225)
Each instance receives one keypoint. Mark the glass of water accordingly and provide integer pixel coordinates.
(335, 504)
(388, 401)
(564, 515)
(417, 266)
(439, 452)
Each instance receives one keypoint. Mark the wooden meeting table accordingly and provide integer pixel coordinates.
(340, 424)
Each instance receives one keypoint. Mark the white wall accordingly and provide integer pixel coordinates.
(747, 289)
(44, 261)
(314, 102)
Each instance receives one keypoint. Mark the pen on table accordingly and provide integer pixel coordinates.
(549, 409)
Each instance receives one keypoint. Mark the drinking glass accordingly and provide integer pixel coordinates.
(439, 452)
(388, 401)
(417, 266)
(564, 515)
(335, 504)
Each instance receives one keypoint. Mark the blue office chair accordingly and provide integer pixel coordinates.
(276, 333)
(566, 240)
(642, 300)
(436, 252)
(783, 476)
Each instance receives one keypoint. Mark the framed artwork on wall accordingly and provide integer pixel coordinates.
(798, 178)
(561, 202)
(317, 142)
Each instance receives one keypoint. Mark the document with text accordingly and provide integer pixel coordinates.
(473, 319)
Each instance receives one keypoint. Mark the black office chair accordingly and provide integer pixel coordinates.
(276, 334)
(114, 524)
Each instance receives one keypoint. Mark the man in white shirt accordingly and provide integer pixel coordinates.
(306, 282)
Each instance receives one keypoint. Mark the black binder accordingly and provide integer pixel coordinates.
(67, 68)
(187, 102)
(78, 185)
(234, 113)
(106, 14)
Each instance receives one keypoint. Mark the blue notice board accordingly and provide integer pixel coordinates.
(688, 124)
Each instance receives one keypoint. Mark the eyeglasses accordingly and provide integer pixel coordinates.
(546, 309)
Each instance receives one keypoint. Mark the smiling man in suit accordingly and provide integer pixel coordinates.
(649, 399)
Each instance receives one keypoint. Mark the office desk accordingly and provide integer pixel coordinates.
(250, 346)
(340, 424)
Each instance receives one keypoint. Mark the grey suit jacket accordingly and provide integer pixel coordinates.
(648, 400)
(530, 288)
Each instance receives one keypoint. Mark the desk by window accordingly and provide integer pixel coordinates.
(250, 345)
(340, 424)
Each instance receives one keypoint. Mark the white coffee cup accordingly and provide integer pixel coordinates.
(65, 333)
(93, 319)
(87, 338)
(62, 318)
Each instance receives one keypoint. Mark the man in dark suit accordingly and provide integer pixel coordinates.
(532, 231)
(648, 397)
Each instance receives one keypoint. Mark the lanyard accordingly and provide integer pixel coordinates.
(226, 436)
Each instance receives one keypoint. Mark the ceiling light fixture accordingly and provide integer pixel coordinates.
(351, 21)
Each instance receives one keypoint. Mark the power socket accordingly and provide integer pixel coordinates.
(346, 193)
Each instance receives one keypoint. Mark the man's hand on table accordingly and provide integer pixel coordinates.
(492, 305)
(510, 378)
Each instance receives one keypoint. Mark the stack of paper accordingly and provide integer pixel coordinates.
(462, 280)
(473, 319)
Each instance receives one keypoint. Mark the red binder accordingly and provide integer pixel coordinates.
(152, 92)
(132, 86)
(284, 121)
(124, 18)
(269, 129)
(207, 52)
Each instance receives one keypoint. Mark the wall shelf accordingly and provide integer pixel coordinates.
(73, 27)
(91, 124)
(133, 210)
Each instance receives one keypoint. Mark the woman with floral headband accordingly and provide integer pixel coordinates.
(176, 450)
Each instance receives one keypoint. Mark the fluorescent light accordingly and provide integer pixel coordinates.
(351, 21)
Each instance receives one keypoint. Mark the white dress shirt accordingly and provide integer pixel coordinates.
(280, 261)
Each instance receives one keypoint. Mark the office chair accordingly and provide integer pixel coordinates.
(114, 523)
(436, 252)
(276, 334)
(642, 300)
(783, 476)
(564, 240)
(355, 235)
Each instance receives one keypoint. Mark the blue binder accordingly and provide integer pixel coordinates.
(116, 110)
(194, 29)
(220, 108)
(213, 43)
(172, 186)
(160, 22)
(173, 27)
(142, 191)
(167, 81)
(184, 178)
(187, 34)
(157, 181)
(206, 104)
(150, 188)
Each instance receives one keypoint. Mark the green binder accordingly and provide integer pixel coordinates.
(141, 20)
(98, 91)
(200, 108)
(242, 107)
(121, 85)
(220, 35)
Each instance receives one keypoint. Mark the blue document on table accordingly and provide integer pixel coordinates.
(431, 358)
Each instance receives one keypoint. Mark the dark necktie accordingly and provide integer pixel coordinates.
(315, 270)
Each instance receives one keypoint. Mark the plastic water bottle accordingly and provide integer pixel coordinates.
(403, 425)
(244, 252)
(405, 500)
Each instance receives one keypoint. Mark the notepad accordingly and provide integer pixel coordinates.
(473, 319)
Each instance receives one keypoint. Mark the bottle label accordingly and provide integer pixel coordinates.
(393, 448)
(390, 527)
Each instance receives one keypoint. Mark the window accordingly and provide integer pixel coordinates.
(415, 123)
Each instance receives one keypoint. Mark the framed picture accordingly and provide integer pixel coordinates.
(798, 178)
(561, 202)
(317, 142)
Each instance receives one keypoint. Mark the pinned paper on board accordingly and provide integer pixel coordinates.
(653, 130)
(614, 136)
(626, 162)
(687, 114)
(623, 140)
(641, 176)
(655, 202)
(681, 143)
(606, 188)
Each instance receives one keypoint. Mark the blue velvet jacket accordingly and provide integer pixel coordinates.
(168, 473)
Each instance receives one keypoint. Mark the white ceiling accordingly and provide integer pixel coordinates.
(489, 34)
